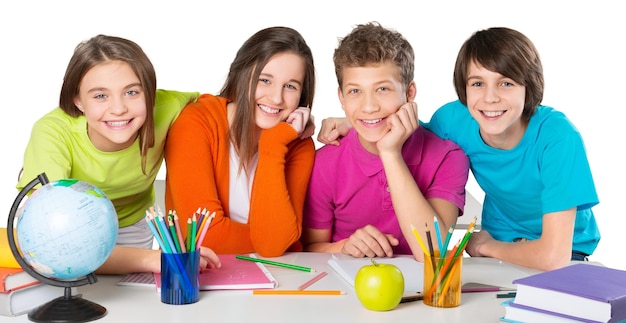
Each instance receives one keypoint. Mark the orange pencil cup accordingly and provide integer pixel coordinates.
(442, 280)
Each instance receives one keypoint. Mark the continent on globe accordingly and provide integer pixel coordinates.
(67, 229)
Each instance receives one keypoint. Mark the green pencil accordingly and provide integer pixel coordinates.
(194, 228)
(275, 263)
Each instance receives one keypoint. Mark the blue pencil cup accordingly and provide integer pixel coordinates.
(179, 278)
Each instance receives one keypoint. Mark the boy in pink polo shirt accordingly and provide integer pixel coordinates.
(388, 172)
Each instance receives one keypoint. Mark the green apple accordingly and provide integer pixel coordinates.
(379, 287)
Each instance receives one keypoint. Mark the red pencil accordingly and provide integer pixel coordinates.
(312, 280)
(179, 233)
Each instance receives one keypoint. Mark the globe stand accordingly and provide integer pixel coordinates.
(66, 308)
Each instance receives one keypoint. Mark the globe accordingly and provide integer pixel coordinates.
(67, 229)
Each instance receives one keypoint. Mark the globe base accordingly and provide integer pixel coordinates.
(67, 308)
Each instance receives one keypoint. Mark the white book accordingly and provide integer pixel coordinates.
(412, 270)
(22, 300)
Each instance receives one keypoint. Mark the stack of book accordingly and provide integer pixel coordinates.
(577, 293)
(19, 291)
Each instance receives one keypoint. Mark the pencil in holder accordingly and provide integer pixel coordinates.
(179, 277)
(442, 280)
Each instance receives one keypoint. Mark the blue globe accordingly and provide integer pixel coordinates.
(67, 229)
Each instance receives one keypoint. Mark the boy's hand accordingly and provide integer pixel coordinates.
(368, 241)
(475, 242)
(332, 129)
(299, 118)
(401, 125)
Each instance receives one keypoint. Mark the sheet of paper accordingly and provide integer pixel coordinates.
(412, 270)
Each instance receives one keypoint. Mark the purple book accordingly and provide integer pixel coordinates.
(586, 291)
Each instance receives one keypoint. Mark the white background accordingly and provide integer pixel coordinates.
(191, 44)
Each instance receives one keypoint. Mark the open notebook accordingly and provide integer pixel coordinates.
(412, 270)
(233, 274)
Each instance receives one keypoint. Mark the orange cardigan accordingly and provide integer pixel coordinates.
(197, 160)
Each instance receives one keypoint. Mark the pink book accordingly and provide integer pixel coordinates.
(234, 274)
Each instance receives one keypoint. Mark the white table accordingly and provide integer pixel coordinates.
(143, 304)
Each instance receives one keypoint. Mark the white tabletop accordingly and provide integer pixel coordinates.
(143, 304)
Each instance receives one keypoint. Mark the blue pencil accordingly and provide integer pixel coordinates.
(444, 251)
(439, 240)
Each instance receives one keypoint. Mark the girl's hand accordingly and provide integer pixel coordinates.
(208, 259)
(299, 118)
(309, 130)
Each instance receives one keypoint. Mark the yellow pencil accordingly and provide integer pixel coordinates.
(296, 292)
(419, 240)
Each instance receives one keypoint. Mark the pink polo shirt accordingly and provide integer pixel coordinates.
(348, 187)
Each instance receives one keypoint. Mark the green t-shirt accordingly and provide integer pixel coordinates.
(60, 147)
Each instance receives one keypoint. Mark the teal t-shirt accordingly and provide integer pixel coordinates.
(60, 147)
(548, 171)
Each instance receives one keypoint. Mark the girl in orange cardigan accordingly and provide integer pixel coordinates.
(241, 154)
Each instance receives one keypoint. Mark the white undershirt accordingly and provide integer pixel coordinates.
(240, 187)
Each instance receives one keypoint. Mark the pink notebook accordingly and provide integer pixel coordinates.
(234, 274)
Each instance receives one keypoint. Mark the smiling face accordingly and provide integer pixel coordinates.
(368, 96)
(112, 100)
(279, 89)
(496, 102)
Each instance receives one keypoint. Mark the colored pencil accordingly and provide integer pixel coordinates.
(179, 233)
(155, 233)
(312, 280)
(412, 298)
(194, 228)
(275, 263)
(296, 292)
(205, 228)
(201, 221)
(177, 265)
(465, 239)
(188, 239)
(170, 224)
(446, 284)
(507, 295)
(167, 239)
(438, 232)
(419, 240)
(444, 251)
(437, 278)
(200, 215)
(430, 248)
